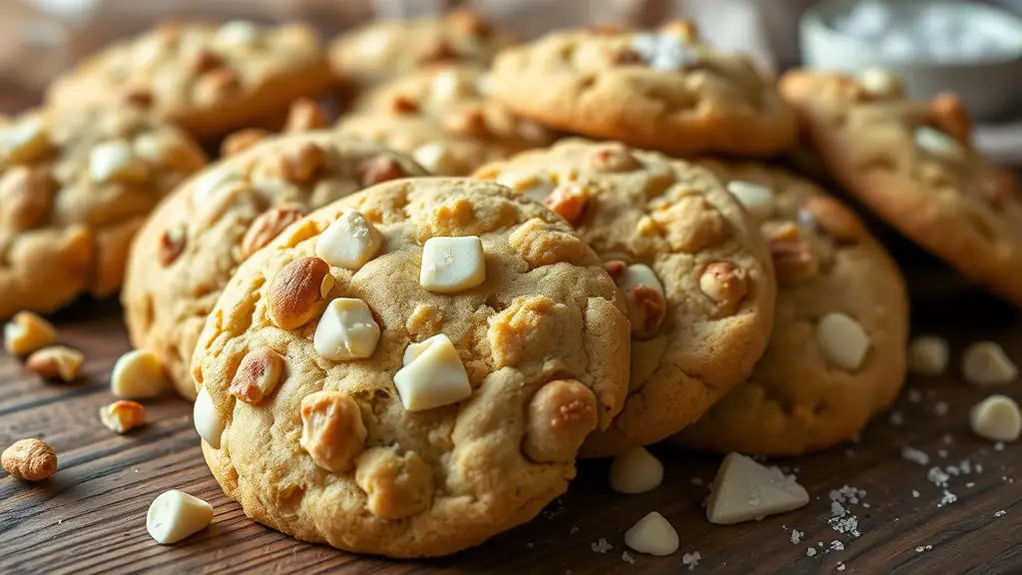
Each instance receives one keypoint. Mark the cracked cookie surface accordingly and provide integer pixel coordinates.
(837, 355)
(345, 402)
(695, 274)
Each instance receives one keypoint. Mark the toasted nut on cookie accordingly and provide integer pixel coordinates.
(138, 374)
(451, 265)
(985, 363)
(27, 332)
(928, 355)
(298, 292)
(561, 415)
(172, 243)
(26, 193)
(395, 485)
(207, 419)
(744, 490)
(996, 418)
(242, 140)
(301, 165)
(332, 430)
(382, 168)
(880, 83)
(24, 142)
(258, 375)
(644, 296)
(432, 376)
(938, 143)
(115, 161)
(174, 515)
(29, 459)
(757, 199)
(349, 242)
(724, 282)
(305, 115)
(636, 471)
(122, 416)
(346, 331)
(843, 340)
(833, 217)
(267, 226)
(568, 201)
(56, 362)
(793, 256)
(653, 535)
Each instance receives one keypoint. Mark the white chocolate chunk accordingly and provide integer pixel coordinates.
(174, 515)
(744, 490)
(432, 376)
(138, 374)
(447, 84)
(115, 161)
(640, 275)
(843, 340)
(206, 419)
(938, 143)
(349, 242)
(238, 33)
(636, 471)
(985, 363)
(654, 535)
(346, 331)
(536, 188)
(208, 183)
(668, 52)
(928, 355)
(757, 199)
(996, 418)
(24, 141)
(434, 156)
(452, 264)
(880, 83)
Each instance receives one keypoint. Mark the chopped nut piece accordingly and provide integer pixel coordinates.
(215, 84)
(242, 140)
(29, 459)
(653, 535)
(561, 414)
(757, 199)
(724, 282)
(203, 61)
(303, 164)
(122, 416)
(207, 419)
(138, 374)
(138, 96)
(382, 168)
(880, 83)
(928, 355)
(843, 340)
(833, 217)
(451, 265)
(266, 227)
(951, 117)
(298, 292)
(432, 376)
(985, 363)
(744, 490)
(258, 375)
(115, 161)
(56, 361)
(568, 201)
(396, 486)
(438, 51)
(175, 515)
(644, 297)
(172, 243)
(27, 332)
(332, 430)
(996, 418)
(468, 121)
(793, 257)
(349, 242)
(26, 193)
(404, 105)
(305, 115)
(24, 142)
(346, 331)
(636, 471)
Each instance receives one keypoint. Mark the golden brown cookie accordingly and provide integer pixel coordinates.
(694, 271)
(187, 251)
(836, 356)
(913, 164)
(75, 186)
(661, 89)
(410, 370)
(206, 78)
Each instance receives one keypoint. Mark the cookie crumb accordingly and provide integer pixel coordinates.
(896, 418)
(947, 499)
(811, 552)
(691, 560)
(601, 546)
(573, 530)
(915, 396)
(796, 536)
(970, 485)
(840, 566)
(937, 476)
(941, 408)
(1000, 513)
(627, 558)
(915, 493)
(914, 455)
(999, 446)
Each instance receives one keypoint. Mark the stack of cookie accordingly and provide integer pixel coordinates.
(409, 365)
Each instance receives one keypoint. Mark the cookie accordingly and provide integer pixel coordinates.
(75, 186)
(187, 251)
(694, 270)
(662, 90)
(386, 49)
(912, 163)
(410, 370)
(208, 79)
(837, 353)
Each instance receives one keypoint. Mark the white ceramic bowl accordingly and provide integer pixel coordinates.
(990, 86)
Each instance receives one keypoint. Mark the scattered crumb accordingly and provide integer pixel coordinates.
(922, 548)
(941, 453)
(937, 476)
(810, 552)
(627, 558)
(970, 485)
(696, 481)
(896, 418)
(1000, 513)
(573, 530)
(914, 395)
(947, 499)
(601, 546)
(796, 536)
(915, 493)
(998, 446)
(840, 566)
(941, 408)
(948, 439)
(691, 560)
(836, 545)
(914, 455)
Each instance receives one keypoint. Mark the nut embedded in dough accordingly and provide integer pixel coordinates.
(568, 201)
(724, 282)
(267, 226)
(301, 165)
(793, 256)
(305, 115)
(172, 243)
(833, 217)
(561, 414)
(396, 486)
(241, 140)
(298, 292)
(614, 158)
(332, 430)
(382, 168)
(258, 375)
(26, 193)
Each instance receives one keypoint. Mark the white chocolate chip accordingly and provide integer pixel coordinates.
(138, 374)
(996, 418)
(434, 156)
(536, 188)
(757, 199)
(928, 355)
(938, 143)
(28, 332)
(24, 141)
(745, 490)
(653, 535)
(432, 376)
(206, 419)
(115, 161)
(175, 515)
(346, 331)
(452, 264)
(640, 275)
(447, 84)
(880, 83)
(843, 340)
(349, 242)
(668, 52)
(238, 33)
(985, 363)
(636, 471)
(209, 182)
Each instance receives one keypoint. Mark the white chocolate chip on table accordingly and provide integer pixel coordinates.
(138, 374)
(985, 363)
(745, 490)
(27, 332)
(636, 471)
(653, 535)
(174, 515)
(996, 418)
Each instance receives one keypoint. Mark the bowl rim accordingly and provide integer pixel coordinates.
(814, 21)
